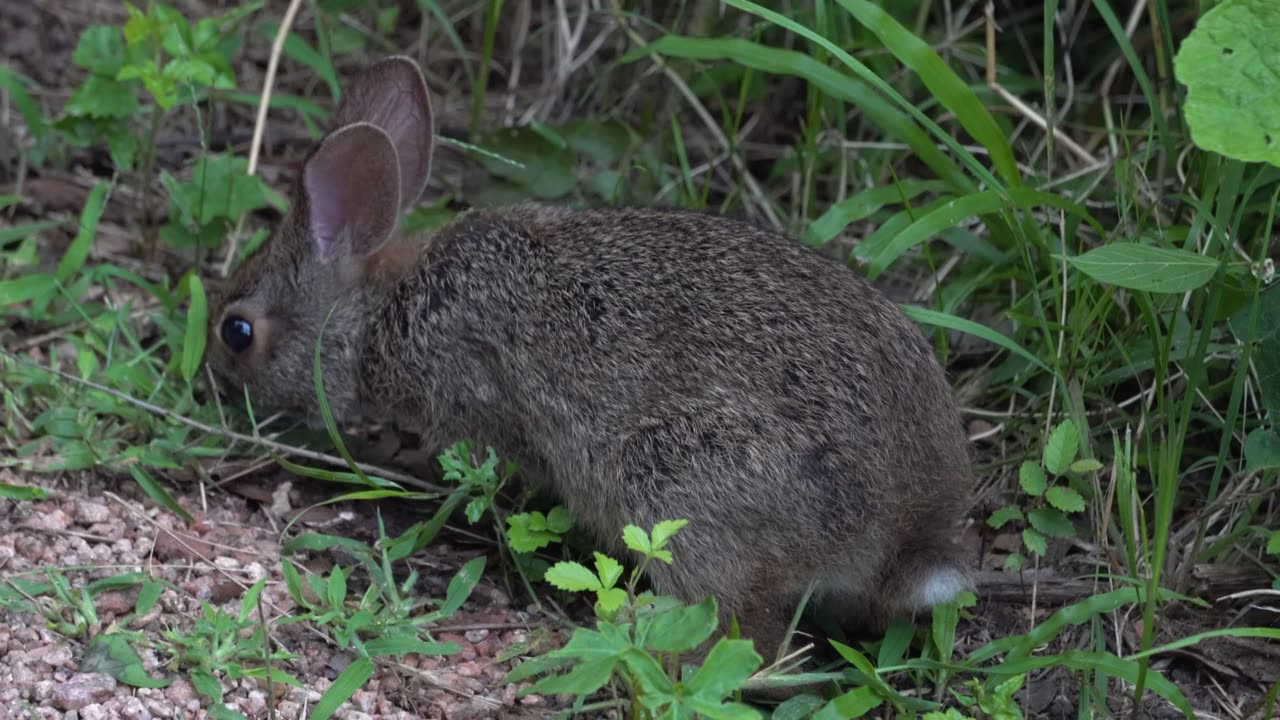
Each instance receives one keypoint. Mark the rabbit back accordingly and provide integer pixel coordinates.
(670, 364)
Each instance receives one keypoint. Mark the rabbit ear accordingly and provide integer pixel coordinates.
(392, 95)
(352, 186)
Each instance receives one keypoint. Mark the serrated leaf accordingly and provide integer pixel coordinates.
(102, 97)
(1227, 64)
(1035, 542)
(1013, 563)
(1032, 479)
(663, 531)
(1146, 267)
(1051, 522)
(572, 577)
(1061, 449)
(608, 569)
(1085, 465)
(636, 539)
(1065, 499)
(1004, 516)
(610, 599)
(100, 50)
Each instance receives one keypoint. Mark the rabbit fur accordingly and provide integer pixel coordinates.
(655, 364)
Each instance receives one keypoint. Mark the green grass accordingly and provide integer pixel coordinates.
(1128, 297)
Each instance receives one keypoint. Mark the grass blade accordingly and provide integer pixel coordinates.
(942, 81)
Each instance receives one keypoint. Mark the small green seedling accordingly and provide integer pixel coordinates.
(1052, 499)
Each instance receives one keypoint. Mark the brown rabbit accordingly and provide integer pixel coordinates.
(656, 364)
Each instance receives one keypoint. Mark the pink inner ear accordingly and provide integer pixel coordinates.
(352, 184)
(392, 95)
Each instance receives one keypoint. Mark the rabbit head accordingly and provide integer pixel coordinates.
(324, 263)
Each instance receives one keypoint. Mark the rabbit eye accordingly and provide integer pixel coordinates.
(237, 333)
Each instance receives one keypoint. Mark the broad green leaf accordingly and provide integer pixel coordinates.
(1003, 516)
(929, 316)
(680, 629)
(197, 326)
(344, 686)
(1065, 499)
(27, 287)
(572, 577)
(1146, 267)
(1228, 64)
(112, 655)
(1273, 543)
(727, 666)
(797, 708)
(559, 520)
(1262, 450)
(1032, 479)
(1051, 522)
(636, 539)
(942, 82)
(853, 704)
(897, 640)
(1035, 542)
(1061, 449)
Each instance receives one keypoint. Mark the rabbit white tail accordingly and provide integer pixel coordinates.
(940, 585)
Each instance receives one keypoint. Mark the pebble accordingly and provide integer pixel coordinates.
(82, 690)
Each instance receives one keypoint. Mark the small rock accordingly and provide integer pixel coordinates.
(83, 689)
(54, 520)
(475, 636)
(96, 711)
(117, 602)
(89, 513)
(180, 692)
(134, 710)
(227, 563)
(55, 657)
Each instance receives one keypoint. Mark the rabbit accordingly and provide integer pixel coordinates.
(654, 364)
